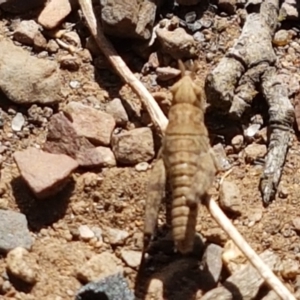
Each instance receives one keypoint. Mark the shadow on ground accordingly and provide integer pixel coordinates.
(19, 284)
(177, 276)
(41, 213)
(181, 276)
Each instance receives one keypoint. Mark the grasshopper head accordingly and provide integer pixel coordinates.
(185, 90)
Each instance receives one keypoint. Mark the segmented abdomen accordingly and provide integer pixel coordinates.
(181, 156)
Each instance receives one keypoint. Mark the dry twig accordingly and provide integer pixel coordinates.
(157, 116)
(265, 272)
(247, 69)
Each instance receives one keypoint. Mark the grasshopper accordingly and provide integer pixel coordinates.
(185, 160)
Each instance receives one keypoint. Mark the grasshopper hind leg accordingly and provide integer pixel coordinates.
(155, 194)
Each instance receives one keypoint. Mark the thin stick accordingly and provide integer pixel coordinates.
(157, 116)
(265, 272)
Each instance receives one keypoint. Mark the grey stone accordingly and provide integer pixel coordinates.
(26, 79)
(116, 236)
(114, 287)
(221, 158)
(17, 122)
(13, 231)
(134, 146)
(212, 258)
(117, 110)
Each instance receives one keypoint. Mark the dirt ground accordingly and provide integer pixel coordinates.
(115, 197)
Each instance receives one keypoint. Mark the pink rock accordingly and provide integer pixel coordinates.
(45, 173)
(95, 125)
(96, 157)
(62, 137)
(54, 13)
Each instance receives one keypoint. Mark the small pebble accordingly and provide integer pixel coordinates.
(116, 236)
(216, 235)
(281, 38)
(206, 23)
(143, 166)
(70, 293)
(17, 122)
(85, 232)
(210, 56)
(290, 269)
(131, 258)
(221, 158)
(3, 203)
(52, 46)
(237, 142)
(190, 17)
(254, 216)
(252, 130)
(98, 233)
(74, 84)
(296, 223)
(22, 265)
(262, 135)
(295, 46)
(72, 38)
(199, 37)
(2, 149)
(230, 197)
(232, 257)
(283, 192)
(6, 286)
(70, 62)
(254, 152)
